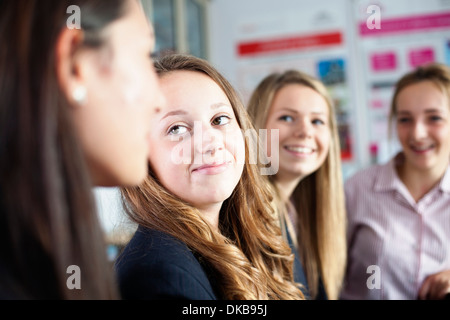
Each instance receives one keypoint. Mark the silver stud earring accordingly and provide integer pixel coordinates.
(79, 95)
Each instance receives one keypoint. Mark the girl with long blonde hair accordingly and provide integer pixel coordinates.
(308, 185)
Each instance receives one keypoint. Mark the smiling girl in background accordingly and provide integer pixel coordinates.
(399, 212)
(206, 227)
(308, 185)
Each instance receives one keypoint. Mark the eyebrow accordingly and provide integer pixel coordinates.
(288, 109)
(174, 113)
(295, 111)
(183, 112)
(434, 110)
(219, 105)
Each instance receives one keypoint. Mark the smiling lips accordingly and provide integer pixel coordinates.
(421, 149)
(211, 169)
(300, 150)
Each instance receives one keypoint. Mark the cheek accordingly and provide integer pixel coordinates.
(235, 144)
(181, 152)
(133, 80)
(160, 159)
(240, 159)
(284, 134)
(276, 137)
(266, 140)
(443, 136)
(168, 174)
(325, 142)
(134, 88)
(241, 152)
(402, 135)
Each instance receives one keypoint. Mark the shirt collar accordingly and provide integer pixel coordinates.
(444, 185)
(388, 178)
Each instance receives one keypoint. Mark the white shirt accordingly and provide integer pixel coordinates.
(394, 243)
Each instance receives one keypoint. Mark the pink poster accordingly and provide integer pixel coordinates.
(385, 61)
(420, 56)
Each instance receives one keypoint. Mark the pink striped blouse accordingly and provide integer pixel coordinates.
(394, 243)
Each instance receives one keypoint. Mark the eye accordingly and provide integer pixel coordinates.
(403, 120)
(286, 118)
(318, 122)
(435, 118)
(221, 120)
(177, 130)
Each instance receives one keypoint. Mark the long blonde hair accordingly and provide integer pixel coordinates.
(318, 198)
(247, 255)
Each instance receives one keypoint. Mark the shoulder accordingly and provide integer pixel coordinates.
(364, 179)
(155, 265)
(361, 191)
(152, 245)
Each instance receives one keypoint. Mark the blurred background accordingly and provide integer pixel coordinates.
(358, 48)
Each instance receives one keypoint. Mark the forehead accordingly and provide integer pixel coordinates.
(184, 87)
(422, 96)
(177, 77)
(300, 98)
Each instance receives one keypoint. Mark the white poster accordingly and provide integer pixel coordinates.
(410, 34)
(311, 37)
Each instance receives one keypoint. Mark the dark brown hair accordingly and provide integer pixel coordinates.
(48, 219)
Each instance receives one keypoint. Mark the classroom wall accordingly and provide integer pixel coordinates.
(334, 41)
(330, 39)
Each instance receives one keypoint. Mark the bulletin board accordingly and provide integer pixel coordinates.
(287, 36)
(330, 40)
(411, 33)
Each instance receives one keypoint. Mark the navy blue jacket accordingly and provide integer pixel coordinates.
(155, 265)
(299, 275)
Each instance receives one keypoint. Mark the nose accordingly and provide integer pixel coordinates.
(207, 140)
(304, 129)
(419, 130)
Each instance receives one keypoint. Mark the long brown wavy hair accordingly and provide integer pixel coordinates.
(318, 199)
(248, 256)
(48, 218)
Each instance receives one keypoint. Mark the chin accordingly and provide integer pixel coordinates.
(302, 172)
(423, 166)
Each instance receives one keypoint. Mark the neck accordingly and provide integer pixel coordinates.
(211, 214)
(286, 185)
(420, 182)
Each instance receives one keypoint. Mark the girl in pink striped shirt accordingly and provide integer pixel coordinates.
(399, 212)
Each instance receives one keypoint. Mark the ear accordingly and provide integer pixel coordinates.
(69, 73)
